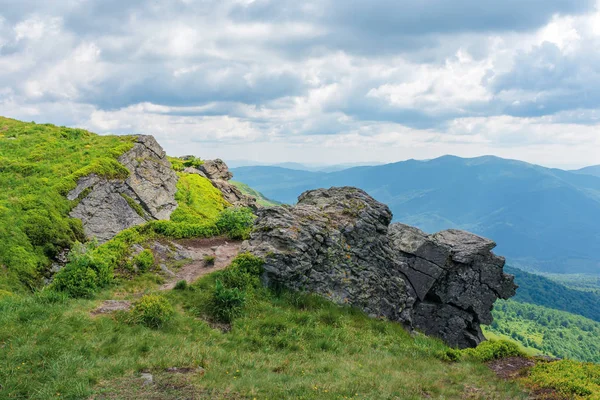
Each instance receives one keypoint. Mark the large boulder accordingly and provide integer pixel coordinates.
(339, 243)
(107, 207)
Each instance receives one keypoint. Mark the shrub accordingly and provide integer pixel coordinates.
(144, 260)
(85, 273)
(493, 350)
(192, 161)
(236, 222)
(449, 355)
(243, 273)
(226, 304)
(152, 310)
(569, 378)
(181, 285)
(209, 260)
(77, 280)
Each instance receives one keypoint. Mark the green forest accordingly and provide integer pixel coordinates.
(552, 332)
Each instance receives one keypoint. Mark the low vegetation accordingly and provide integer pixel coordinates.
(570, 379)
(152, 310)
(281, 345)
(39, 164)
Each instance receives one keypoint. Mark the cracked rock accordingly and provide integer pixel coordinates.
(339, 244)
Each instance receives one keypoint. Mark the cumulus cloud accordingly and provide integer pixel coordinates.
(339, 80)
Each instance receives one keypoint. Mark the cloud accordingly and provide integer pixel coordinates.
(385, 77)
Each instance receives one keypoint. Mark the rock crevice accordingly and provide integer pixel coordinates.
(340, 244)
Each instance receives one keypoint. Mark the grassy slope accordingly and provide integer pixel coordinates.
(285, 347)
(53, 348)
(261, 198)
(38, 165)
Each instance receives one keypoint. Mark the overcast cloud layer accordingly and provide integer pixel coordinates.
(322, 81)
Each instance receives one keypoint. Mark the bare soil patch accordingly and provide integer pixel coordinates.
(222, 249)
(511, 367)
(109, 306)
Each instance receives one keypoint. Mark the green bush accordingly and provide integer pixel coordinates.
(192, 161)
(494, 350)
(450, 355)
(77, 280)
(236, 222)
(85, 273)
(227, 304)
(572, 379)
(144, 260)
(243, 273)
(152, 310)
(181, 285)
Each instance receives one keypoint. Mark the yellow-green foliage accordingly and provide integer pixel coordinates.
(152, 310)
(572, 379)
(199, 201)
(38, 165)
(145, 260)
(493, 350)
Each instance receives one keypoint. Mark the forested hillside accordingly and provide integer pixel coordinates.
(536, 289)
(557, 333)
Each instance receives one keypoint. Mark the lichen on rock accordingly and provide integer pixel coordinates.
(339, 243)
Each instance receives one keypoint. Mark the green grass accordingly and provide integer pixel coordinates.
(199, 201)
(260, 198)
(286, 346)
(39, 164)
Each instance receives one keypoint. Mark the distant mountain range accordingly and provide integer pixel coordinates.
(593, 170)
(299, 166)
(542, 219)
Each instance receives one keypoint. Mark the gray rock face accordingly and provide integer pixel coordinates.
(107, 208)
(339, 243)
(216, 169)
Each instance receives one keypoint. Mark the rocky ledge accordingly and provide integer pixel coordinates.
(339, 243)
(109, 206)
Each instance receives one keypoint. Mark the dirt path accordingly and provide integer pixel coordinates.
(223, 249)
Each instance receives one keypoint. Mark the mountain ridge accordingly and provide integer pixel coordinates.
(541, 217)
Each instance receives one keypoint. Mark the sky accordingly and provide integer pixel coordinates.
(314, 81)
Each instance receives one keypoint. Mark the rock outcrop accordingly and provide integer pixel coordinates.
(218, 173)
(339, 243)
(109, 206)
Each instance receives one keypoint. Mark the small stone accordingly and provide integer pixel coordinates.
(147, 379)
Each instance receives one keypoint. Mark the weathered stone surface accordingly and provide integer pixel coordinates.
(339, 243)
(334, 243)
(106, 209)
(233, 195)
(216, 169)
